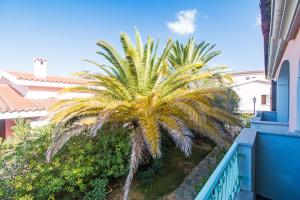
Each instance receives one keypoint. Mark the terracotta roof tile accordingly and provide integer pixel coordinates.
(54, 79)
(12, 101)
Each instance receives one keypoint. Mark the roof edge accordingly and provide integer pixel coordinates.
(15, 80)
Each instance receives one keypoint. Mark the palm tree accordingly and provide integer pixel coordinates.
(139, 92)
(193, 53)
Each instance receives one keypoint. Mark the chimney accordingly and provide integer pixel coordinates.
(40, 67)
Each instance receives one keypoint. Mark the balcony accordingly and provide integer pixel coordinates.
(267, 121)
(260, 162)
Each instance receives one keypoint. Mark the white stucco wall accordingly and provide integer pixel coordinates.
(70, 95)
(23, 114)
(292, 54)
(40, 94)
(44, 94)
(241, 78)
(248, 91)
(39, 122)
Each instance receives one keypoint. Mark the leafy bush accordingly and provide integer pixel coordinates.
(147, 172)
(22, 129)
(80, 168)
(245, 118)
(99, 192)
(231, 104)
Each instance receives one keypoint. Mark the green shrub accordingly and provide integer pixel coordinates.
(246, 118)
(99, 190)
(22, 129)
(230, 103)
(80, 168)
(147, 172)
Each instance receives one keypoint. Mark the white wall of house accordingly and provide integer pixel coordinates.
(292, 55)
(33, 94)
(70, 95)
(244, 77)
(47, 93)
(40, 94)
(250, 84)
(23, 114)
(52, 94)
(257, 89)
(39, 122)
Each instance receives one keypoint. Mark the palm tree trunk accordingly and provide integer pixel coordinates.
(136, 155)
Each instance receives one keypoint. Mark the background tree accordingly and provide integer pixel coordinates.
(145, 93)
(193, 53)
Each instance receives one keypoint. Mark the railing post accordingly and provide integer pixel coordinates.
(234, 176)
(246, 152)
(223, 184)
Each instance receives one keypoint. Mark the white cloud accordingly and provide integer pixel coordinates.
(258, 20)
(184, 23)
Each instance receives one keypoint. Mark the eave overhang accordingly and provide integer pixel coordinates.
(285, 21)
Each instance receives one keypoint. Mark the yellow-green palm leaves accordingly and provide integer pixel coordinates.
(144, 92)
(191, 52)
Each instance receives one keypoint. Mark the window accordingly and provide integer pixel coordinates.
(263, 99)
(2, 128)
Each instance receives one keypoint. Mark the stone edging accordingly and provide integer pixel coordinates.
(187, 190)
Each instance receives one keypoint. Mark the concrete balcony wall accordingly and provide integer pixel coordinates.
(246, 140)
(267, 121)
(277, 165)
(268, 163)
(270, 116)
(234, 176)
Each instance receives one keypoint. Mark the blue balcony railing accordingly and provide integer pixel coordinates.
(267, 121)
(224, 183)
(270, 116)
(258, 163)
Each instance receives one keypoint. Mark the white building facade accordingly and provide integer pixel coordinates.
(252, 86)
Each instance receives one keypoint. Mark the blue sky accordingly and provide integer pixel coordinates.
(65, 31)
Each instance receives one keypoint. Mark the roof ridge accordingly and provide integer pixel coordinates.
(30, 73)
(51, 78)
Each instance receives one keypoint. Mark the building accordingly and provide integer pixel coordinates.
(249, 85)
(263, 162)
(25, 95)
